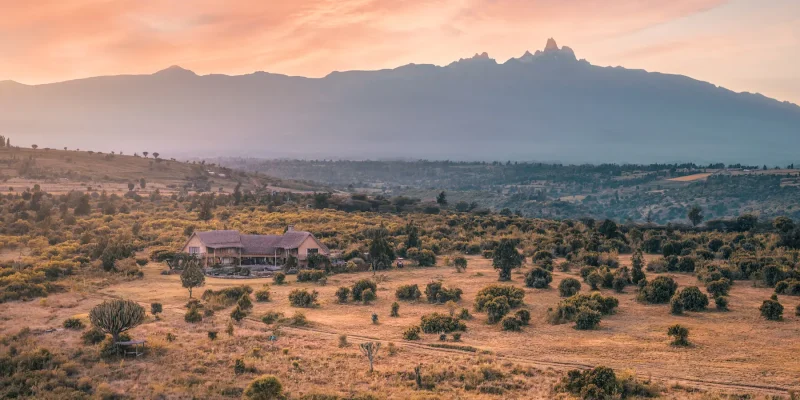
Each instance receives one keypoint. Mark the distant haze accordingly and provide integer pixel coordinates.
(546, 106)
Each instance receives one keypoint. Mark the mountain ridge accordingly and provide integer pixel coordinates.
(546, 105)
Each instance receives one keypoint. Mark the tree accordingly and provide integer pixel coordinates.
(771, 309)
(142, 183)
(569, 287)
(695, 215)
(116, 316)
(155, 155)
(370, 349)
(381, 252)
(206, 207)
(441, 199)
(33, 146)
(192, 276)
(237, 194)
(413, 236)
(145, 154)
(83, 207)
(506, 257)
(131, 186)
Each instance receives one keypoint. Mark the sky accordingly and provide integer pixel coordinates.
(744, 45)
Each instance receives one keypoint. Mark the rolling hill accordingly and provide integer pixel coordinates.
(547, 106)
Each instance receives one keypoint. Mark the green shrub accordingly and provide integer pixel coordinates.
(307, 275)
(438, 323)
(569, 287)
(279, 278)
(771, 309)
(789, 287)
(412, 333)
(408, 292)
(156, 308)
(245, 303)
(303, 298)
(271, 317)
(510, 323)
(693, 299)
(594, 384)
(436, 293)
(264, 388)
(721, 302)
(619, 284)
(262, 295)
(719, 287)
(368, 296)
(73, 323)
(193, 316)
(513, 295)
(464, 314)
(680, 335)
(587, 318)
(93, 336)
(659, 291)
(342, 294)
(594, 279)
(568, 309)
(395, 310)
(676, 306)
(238, 366)
(538, 278)
(362, 285)
(212, 335)
(497, 308)
(523, 316)
(238, 314)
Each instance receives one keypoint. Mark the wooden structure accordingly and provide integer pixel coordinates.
(132, 348)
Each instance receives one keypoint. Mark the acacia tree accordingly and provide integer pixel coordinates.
(441, 199)
(116, 316)
(506, 258)
(192, 276)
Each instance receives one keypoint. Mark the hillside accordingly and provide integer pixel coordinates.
(547, 106)
(59, 171)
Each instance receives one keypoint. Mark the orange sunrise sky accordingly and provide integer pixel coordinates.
(744, 45)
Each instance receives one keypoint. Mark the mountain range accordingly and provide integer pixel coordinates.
(546, 106)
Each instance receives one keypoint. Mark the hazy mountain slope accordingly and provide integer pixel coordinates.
(546, 106)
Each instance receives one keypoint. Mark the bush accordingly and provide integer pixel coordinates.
(693, 299)
(538, 278)
(587, 318)
(302, 298)
(440, 323)
(594, 279)
(93, 336)
(597, 383)
(412, 333)
(342, 294)
(238, 366)
(497, 308)
(408, 292)
(659, 291)
(719, 287)
(771, 309)
(395, 310)
(244, 303)
(361, 286)
(511, 324)
(156, 308)
(262, 295)
(271, 317)
(513, 295)
(789, 287)
(73, 323)
(436, 293)
(264, 388)
(569, 287)
(524, 316)
(460, 263)
(238, 314)
(368, 295)
(619, 284)
(680, 335)
(279, 278)
(721, 302)
(310, 275)
(212, 335)
(676, 305)
(568, 309)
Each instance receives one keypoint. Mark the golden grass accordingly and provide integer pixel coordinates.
(736, 347)
(690, 178)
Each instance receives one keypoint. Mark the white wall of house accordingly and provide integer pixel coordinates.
(195, 242)
(309, 243)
